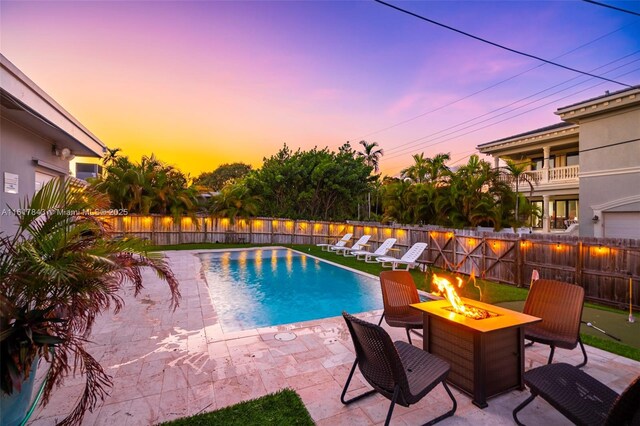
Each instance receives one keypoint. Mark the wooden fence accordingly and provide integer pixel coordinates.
(603, 267)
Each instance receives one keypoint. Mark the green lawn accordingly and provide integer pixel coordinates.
(281, 408)
(612, 320)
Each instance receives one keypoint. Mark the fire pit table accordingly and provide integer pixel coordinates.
(486, 354)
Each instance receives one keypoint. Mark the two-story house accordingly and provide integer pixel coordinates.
(586, 168)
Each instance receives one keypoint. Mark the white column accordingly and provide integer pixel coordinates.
(496, 162)
(546, 225)
(546, 150)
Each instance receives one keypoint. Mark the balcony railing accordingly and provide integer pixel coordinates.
(564, 173)
(556, 174)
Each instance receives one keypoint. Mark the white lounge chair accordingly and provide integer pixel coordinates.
(343, 241)
(358, 245)
(370, 257)
(408, 259)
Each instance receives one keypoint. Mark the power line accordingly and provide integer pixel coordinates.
(612, 7)
(500, 45)
(395, 151)
(488, 87)
(524, 112)
(610, 145)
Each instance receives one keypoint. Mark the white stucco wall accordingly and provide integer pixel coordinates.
(18, 148)
(609, 164)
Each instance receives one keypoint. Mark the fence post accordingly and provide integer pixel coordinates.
(579, 262)
(483, 262)
(519, 264)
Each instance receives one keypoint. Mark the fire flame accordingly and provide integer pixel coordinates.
(448, 290)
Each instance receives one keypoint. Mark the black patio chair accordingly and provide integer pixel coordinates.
(581, 398)
(398, 370)
(398, 292)
(559, 304)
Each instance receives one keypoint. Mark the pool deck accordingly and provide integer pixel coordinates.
(167, 365)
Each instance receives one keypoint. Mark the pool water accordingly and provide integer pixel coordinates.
(265, 287)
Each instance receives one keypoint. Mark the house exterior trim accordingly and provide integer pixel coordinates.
(30, 98)
(601, 105)
(610, 172)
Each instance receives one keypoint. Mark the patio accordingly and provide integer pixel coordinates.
(167, 365)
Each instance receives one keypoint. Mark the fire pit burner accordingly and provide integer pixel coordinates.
(473, 312)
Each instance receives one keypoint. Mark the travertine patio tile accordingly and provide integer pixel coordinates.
(312, 354)
(218, 349)
(201, 398)
(297, 368)
(174, 404)
(203, 368)
(115, 414)
(236, 389)
(144, 411)
(323, 400)
(312, 378)
(353, 417)
(174, 378)
(293, 347)
(273, 379)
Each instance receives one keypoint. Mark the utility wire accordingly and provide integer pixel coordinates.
(525, 112)
(612, 7)
(488, 87)
(610, 145)
(500, 45)
(412, 144)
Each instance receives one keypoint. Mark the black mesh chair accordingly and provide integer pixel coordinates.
(400, 371)
(398, 292)
(581, 398)
(559, 304)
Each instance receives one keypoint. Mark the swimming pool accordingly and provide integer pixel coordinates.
(265, 287)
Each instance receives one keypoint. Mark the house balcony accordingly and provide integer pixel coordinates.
(550, 177)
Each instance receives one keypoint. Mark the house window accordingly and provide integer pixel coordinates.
(573, 159)
(42, 179)
(562, 213)
(538, 163)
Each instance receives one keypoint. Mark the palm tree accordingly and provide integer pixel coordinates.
(371, 155)
(233, 201)
(437, 168)
(60, 271)
(419, 171)
(517, 172)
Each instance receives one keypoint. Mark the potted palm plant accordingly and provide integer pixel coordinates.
(58, 272)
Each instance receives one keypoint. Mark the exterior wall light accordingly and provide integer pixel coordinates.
(595, 219)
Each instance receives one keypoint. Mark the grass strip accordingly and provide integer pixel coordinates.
(611, 346)
(280, 408)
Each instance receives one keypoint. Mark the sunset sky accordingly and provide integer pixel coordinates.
(203, 83)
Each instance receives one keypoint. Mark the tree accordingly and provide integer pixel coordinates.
(60, 271)
(234, 201)
(371, 154)
(476, 194)
(317, 184)
(150, 186)
(371, 157)
(437, 168)
(419, 170)
(221, 176)
(427, 169)
(517, 173)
